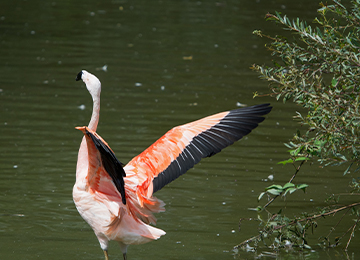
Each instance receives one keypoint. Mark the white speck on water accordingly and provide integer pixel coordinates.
(178, 242)
(216, 45)
(162, 87)
(311, 200)
(224, 203)
(103, 68)
(32, 32)
(138, 84)
(217, 235)
(271, 177)
(81, 107)
(233, 231)
(15, 166)
(238, 104)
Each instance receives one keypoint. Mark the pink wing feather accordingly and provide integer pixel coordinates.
(184, 146)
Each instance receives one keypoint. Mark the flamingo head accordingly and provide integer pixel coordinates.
(92, 83)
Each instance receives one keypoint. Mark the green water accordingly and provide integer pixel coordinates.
(168, 63)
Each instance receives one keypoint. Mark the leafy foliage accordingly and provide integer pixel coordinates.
(319, 69)
(277, 190)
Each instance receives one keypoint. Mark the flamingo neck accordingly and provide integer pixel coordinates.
(95, 114)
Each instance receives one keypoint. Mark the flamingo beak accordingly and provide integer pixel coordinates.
(81, 128)
(79, 75)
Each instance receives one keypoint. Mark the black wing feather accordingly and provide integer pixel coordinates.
(111, 164)
(236, 124)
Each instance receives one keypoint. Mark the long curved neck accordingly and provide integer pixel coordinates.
(95, 114)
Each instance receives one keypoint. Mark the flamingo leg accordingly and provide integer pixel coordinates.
(124, 255)
(106, 255)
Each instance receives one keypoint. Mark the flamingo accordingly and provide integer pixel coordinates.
(117, 201)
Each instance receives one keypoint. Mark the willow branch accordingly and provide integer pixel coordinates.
(352, 234)
(302, 220)
(292, 178)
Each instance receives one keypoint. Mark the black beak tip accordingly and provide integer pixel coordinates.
(78, 77)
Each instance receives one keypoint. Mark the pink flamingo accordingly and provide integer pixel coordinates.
(118, 202)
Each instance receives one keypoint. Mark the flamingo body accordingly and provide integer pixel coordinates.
(118, 202)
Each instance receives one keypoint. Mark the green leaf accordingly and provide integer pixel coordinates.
(300, 227)
(341, 156)
(286, 161)
(289, 145)
(277, 64)
(261, 195)
(275, 192)
(291, 190)
(302, 187)
(301, 159)
(288, 185)
(274, 186)
(307, 246)
(334, 82)
(296, 151)
(258, 209)
(347, 170)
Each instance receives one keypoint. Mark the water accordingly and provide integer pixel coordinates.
(168, 63)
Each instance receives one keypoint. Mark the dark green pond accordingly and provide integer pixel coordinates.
(168, 63)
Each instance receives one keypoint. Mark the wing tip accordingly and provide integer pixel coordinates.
(242, 122)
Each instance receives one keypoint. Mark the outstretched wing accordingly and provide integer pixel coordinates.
(109, 161)
(184, 146)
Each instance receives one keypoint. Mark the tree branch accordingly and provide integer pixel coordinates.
(292, 178)
(302, 220)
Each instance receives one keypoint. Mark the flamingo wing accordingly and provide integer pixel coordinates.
(184, 146)
(109, 161)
